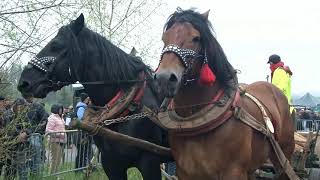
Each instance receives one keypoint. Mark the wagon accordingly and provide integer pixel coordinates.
(305, 160)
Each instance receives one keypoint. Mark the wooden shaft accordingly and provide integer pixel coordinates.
(121, 138)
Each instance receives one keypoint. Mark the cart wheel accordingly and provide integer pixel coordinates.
(314, 174)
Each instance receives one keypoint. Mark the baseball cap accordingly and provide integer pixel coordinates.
(274, 59)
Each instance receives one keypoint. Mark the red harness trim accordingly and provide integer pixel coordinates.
(115, 99)
(136, 100)
(214, 99)
(217, 96)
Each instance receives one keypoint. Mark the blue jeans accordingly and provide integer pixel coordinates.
(21, 163)
(170, 168)
(36, 148)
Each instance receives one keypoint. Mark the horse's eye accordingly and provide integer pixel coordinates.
(196, 39)
(56, 47)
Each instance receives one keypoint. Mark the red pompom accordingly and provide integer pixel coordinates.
(207, 77)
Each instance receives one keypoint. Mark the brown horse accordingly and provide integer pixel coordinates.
(233, 150)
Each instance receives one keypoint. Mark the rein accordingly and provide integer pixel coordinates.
(110, 83)
(44, 64)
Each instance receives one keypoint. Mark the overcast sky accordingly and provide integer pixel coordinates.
(250, 30)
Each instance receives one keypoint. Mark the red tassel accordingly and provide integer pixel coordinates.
(207, 77)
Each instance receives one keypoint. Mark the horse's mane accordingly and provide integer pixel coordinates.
(116, 64)
(217, 60)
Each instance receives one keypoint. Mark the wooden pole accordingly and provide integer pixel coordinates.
(94, 129)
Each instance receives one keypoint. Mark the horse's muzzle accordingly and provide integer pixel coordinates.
(168, 83)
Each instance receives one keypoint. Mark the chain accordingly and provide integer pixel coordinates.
(126, 118)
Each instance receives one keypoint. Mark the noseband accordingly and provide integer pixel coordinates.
(186, 57)
(46, 65)
(42, 63)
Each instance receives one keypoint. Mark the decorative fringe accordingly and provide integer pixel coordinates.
(207, 77)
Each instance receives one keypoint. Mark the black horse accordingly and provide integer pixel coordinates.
(77, 53)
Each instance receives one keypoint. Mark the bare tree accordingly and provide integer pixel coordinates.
(27, 25)
(126, 23)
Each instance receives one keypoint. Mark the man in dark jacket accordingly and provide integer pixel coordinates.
(28, 120)
(2, 126)
(16, 129)
(37, 117)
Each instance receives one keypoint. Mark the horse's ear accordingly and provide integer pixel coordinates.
(133, 51)
(206, 14)
(78, 24)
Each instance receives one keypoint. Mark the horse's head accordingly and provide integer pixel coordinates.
(183, 52)
(52, 64)
(188, 45)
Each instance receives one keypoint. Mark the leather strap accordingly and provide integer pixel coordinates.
(246, 118)
(119, 105)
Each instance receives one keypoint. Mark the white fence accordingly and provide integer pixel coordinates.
(307, 125)
(50, 155)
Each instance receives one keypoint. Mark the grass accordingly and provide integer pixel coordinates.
(133, 174)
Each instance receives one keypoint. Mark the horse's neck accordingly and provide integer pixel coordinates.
(100, 94)
(190, 99)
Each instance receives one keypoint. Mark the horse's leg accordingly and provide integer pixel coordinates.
(109, 161)
(113, 171)
(149, 167)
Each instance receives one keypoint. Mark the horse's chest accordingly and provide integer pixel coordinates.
(196, 160)
(205, 156)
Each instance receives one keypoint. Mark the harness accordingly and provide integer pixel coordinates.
(187, 58)
(211, 116)
(117, 110)
(46, 64)
(119, 107)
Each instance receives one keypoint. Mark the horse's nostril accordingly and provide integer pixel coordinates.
(155, 76)
(173, 78)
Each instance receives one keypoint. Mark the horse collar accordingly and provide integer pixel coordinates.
(208, 118)
(120, 105)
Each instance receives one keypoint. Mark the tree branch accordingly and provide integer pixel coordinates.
(24, 40)
(126, 16)
(137, 24)
(111, 17)
(33, 10)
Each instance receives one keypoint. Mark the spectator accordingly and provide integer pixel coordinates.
(37, 118)
(83, 141)
(2, 110)
(68, 115)
(17, 129)
(82, 105)
(56, 128)
(2, 125)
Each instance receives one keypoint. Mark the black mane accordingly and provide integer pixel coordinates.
(217, 60)
(117, 65)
